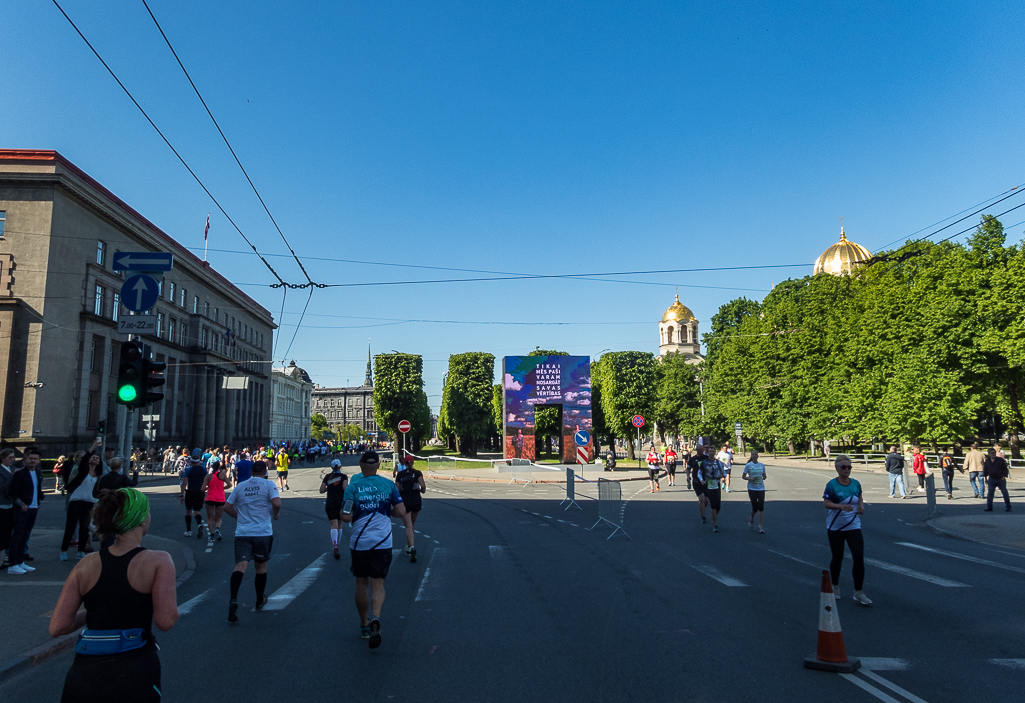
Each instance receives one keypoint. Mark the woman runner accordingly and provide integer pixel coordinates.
(411, 489)
(334, 485)
(214, 484)
(842, 499)
(754, 474)
(126, 589)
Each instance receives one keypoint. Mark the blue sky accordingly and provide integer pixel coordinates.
(526, 137)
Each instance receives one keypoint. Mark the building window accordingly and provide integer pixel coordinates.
(3, 222)
(215, 315)
(98, 304)
(170, 329)
(101, 253)
(206, 309)
(203, 338)
(170, 293)
(195, 304)
(115, 313)
(92, 355)
(184, 298)
(184, 334)
(160, 324)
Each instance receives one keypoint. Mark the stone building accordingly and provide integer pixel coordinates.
(291, 400)
(60, 305)
(348, 406)
(678, 333)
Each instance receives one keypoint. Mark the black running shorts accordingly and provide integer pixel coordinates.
(412, 500)
(652, 474)
(714, 497)
(370, 563)
(699, 488)
(757, 500)
(194, 500)
(283, 474)
(671, 468)
(253, 549)
(334, 512)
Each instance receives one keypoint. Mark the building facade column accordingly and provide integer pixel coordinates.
(198, 438)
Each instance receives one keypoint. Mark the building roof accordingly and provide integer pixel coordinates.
(842, 257)
(40, 156)
(677, 311)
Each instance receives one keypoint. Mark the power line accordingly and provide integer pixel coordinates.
(153, 124)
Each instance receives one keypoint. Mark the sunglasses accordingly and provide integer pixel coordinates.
(844, 466)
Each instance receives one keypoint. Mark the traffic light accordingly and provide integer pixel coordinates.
(130, 387)
(152, 377)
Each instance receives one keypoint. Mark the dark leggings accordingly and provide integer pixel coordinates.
(856, 543)
(79, 512)
(109, 679)
(921, 480)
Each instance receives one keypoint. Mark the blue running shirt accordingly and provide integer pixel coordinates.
(372, 500)
(838, 493)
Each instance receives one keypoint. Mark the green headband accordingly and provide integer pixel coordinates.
(134, 512)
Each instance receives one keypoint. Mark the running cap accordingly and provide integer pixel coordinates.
(336, 464)
(408, 460)
(197, 453)
(369, 457)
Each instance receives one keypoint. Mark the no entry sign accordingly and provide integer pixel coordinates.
(638, 421)
(404, 426)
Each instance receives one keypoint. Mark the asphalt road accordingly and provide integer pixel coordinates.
(514, 598)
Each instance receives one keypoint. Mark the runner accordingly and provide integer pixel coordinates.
(411, 489)
(694, 466)
(369, 501)
(671, 464)
(653, 460)
(282, 470)
(842, 499)
(754, 474)
(725, 457)
(334, 485)
(214, 485)
(191, 481)
(711, 474)
(254, 504)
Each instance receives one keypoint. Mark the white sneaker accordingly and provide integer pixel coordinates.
(188, 533)
(861, 598)
(17, 570)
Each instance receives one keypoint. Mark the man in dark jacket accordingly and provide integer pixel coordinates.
(895, 470)
(115, 479)
(26, 491)
(994, 468)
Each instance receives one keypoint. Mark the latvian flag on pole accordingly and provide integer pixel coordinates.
(206, 230)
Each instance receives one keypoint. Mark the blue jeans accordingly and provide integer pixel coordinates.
(974, 476)
(994, 484)
(897, 480)
(948, 480)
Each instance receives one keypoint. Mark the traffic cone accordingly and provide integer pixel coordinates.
(830, 655)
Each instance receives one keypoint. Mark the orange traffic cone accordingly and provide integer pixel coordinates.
(830, 655)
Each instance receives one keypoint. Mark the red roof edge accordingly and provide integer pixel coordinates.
(49, 155)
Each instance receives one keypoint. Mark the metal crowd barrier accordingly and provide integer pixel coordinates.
(571, 479)
(610, 506)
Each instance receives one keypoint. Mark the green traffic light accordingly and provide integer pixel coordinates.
(126, 393)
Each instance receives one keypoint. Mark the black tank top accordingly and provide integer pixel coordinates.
(112, 604)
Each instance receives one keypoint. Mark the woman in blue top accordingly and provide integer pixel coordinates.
(845, 507)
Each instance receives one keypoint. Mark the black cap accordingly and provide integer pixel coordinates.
(369, 457)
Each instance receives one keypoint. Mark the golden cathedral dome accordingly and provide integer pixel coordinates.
(677, 311)
(842, 257)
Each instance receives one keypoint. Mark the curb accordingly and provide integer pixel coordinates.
(474, 479)
(35, 657)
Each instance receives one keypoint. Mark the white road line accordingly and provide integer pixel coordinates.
(929, 578)
(797, 559)
(189, 605)
(719, 576)
(892, 686)
(281, 598)
(431, 583)
(1010, 663)
(861, 683)
(956, 555)
(884, 664)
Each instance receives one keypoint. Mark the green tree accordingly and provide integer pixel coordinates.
(678, 408)
(497, 408)
(348, 433)
(467, 399)
(399, 394)
(629, 386)
(318, 423)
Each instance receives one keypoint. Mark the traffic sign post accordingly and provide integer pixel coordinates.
(404, 427)
(582, 438)
(638, 422)
(140, 292)
(149, 261)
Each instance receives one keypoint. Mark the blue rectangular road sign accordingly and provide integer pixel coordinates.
(143, 261)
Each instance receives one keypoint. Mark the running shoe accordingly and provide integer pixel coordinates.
(26, 567)
(262, 601)
(64, 556)
(337, 555)
(412, 553)
(652, 490)
(861, 598)
(761, 530)
(188, 533)
(233, 611)
(17, 569)
(81, 555)
(199, 532)
(715, 528)
(375, 632)
(217, 535)
(364, 632)
(703, 520)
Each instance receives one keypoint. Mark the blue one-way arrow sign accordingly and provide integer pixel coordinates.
(143, 261)
(140, 292)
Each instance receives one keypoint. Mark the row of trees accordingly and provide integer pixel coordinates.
(399, 395)
(916, 346)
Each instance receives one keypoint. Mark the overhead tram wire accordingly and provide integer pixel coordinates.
(188, 168)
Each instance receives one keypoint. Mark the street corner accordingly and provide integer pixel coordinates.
(1001, 528)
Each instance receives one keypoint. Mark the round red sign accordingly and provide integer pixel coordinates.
(638, 421)
(404, 426)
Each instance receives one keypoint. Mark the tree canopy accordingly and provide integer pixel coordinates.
(467, 399)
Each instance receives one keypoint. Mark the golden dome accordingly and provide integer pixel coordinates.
(842, 257)
(677, 311)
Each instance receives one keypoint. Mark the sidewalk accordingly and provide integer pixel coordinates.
(28, 600)
(997, 528)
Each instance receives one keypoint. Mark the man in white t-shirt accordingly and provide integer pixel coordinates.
(255, 504)
(725, 457)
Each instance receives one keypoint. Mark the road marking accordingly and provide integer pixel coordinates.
(797, 559)
(431, 583)
(892, 686)
(929, 578)
(860, 683)
(1010, 663)
(281, 598)
(956, 555)
(190, 605)
(719, 576)
(884, 664)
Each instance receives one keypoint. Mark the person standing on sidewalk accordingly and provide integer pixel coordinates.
(895, 471)
(996, 472)
(6, 504)
(81, 501)
(26, 491)
(255, 504)
(918, 467)
(973, 465)
(126, 589)
(754, 474)
(370, 503)
(845, 507)
(947, 467)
